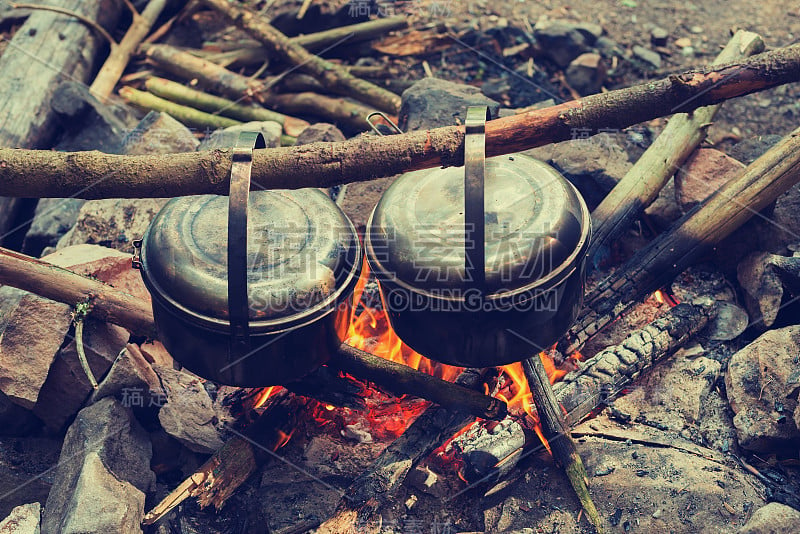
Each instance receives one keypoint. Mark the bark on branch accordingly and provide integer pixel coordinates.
(25, 173)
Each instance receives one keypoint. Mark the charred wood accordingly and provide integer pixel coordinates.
(490, 452)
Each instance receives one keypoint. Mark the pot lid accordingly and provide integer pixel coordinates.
(536, 228)
(301, 251)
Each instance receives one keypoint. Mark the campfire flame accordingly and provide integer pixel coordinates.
(388, 416)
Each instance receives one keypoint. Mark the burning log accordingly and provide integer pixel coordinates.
(376, 486)
(490, 452)
(760, 183)
(401, 379)
(641, 184)
(115, 306)
(27, 173)
(217, 479)
(332, 76)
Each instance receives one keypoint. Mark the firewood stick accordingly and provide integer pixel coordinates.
(350, 114)
(120, 54)
(115, 306)
(331, 75)
(600, 378)
(187, 115)
(222, 81)
(213, 77)
(695, 234)
(642, 183)
(34, 173)
(401, 379)
(253, 52)
(378, 484)
(182, 94)
(560, 443)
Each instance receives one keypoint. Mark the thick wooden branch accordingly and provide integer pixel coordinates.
(665, 257)
(26, 173)
(62, 285)
(642, 183)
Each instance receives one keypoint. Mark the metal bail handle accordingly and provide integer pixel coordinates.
(238, 196)
(474, 171)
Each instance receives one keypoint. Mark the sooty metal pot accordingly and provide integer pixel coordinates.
(251, 301)
(481, 265)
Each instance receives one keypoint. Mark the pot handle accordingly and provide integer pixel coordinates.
(238, 196)
(474, 171)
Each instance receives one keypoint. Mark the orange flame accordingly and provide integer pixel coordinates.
(388, 417)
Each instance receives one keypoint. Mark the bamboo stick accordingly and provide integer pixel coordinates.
(558, 439)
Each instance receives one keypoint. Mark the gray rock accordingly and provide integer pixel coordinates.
(53, 218)
(322, 132)
(563, 41)
(188, 414)
(24, 519)
(644, 479)
(102, 475)
(586, 73)
(674, 392)
(129, 373)
(67, 387)
(762, 382)
(762, 287)
(112, 222)
(748, 150)
(774, 518)
(31, 331)
(227, 137)
(431, 103)
(159, 133)
(608, 47)
(85, 123)
(651, 58)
